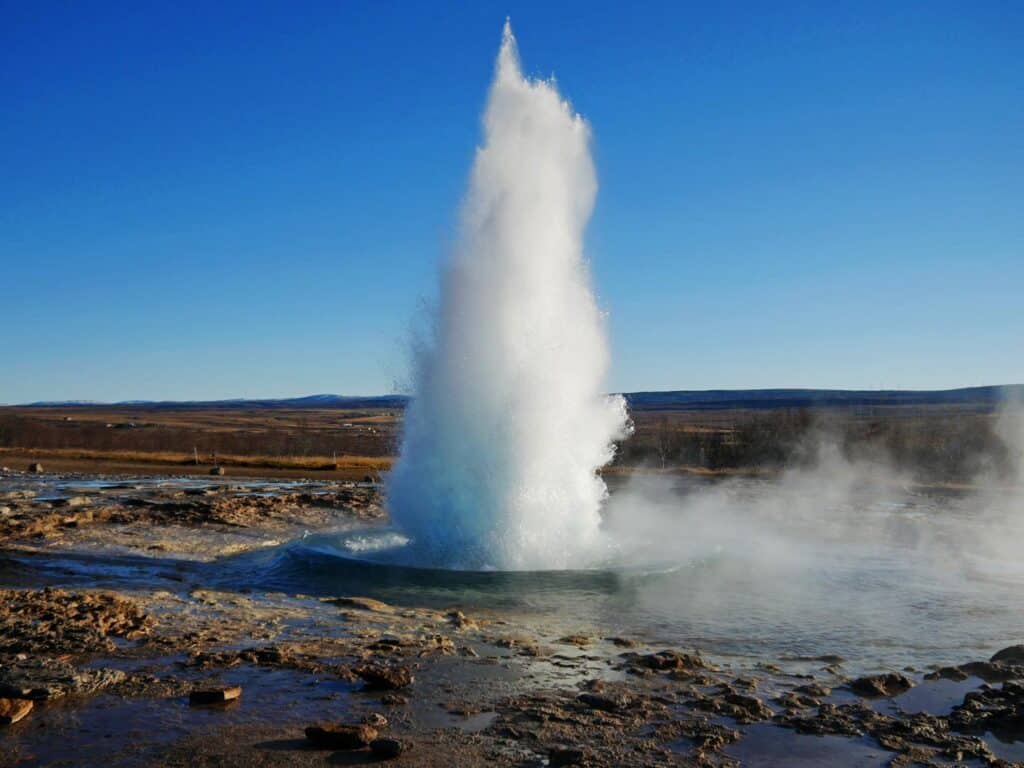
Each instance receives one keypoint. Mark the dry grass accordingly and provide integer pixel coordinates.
(173, 463)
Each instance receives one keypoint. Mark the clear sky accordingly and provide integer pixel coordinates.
(203, 200)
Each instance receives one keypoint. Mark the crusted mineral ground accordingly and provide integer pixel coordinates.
(109, 657)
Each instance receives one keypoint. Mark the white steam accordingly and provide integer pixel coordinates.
(508, 426)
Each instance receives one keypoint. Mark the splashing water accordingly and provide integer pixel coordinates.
(508, 427)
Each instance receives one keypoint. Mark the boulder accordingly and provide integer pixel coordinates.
(217, 471)
(35, 468)
(1012, 655)
(341, 736)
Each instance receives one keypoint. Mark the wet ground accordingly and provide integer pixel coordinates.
(124, 596)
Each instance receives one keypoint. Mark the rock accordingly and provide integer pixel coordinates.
(384, 678)
(13, 710)
(666, 661)
(793, 700)
(341, 736)
(361, 603)
(42, 679)
(56, 621)
(376, 719)
(816, 690)
(386, 749)
(35, 468)
(741, 708)
(578, 640)
(947, 673)
(622, 642)
(459, 620)
(993, 671)
(888, 684)
(560, 756)
(214, 695)
(601, 702)
(1012, 655)
(73, 501)
(217, 471)
(1000, 710)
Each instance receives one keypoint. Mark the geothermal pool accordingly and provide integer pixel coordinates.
(908, 581)
(882, 575)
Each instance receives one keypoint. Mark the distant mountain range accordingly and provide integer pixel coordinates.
(703, 400)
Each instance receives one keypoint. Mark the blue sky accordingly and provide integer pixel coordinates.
(252, 199)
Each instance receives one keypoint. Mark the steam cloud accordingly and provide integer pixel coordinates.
(509, 425)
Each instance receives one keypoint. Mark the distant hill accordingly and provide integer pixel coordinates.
(725, 399)
(690, 400)
(309, 401)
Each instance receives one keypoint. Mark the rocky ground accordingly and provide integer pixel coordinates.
(181, 673)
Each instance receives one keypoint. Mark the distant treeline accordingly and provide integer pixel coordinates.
(937, 445)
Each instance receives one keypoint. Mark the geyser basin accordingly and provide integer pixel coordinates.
(905, 578)
(509, 423)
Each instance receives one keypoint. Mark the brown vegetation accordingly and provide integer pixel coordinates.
(951, 443)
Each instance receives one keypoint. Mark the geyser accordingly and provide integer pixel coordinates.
(509, 423)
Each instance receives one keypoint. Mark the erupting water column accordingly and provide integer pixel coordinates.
(508, 426)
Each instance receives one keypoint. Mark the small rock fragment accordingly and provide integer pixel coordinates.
(341, 736)
(13, 710)
(214, 695)
(384, 678)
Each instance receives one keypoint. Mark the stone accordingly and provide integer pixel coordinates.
(341, 736)
(35, 468)
(376, 719)
(13, 710)
(214, 695)
(888, 684)
(217, 471)
(386, 749)
(384, 678)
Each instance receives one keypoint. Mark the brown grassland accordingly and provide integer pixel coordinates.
(934, 443)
